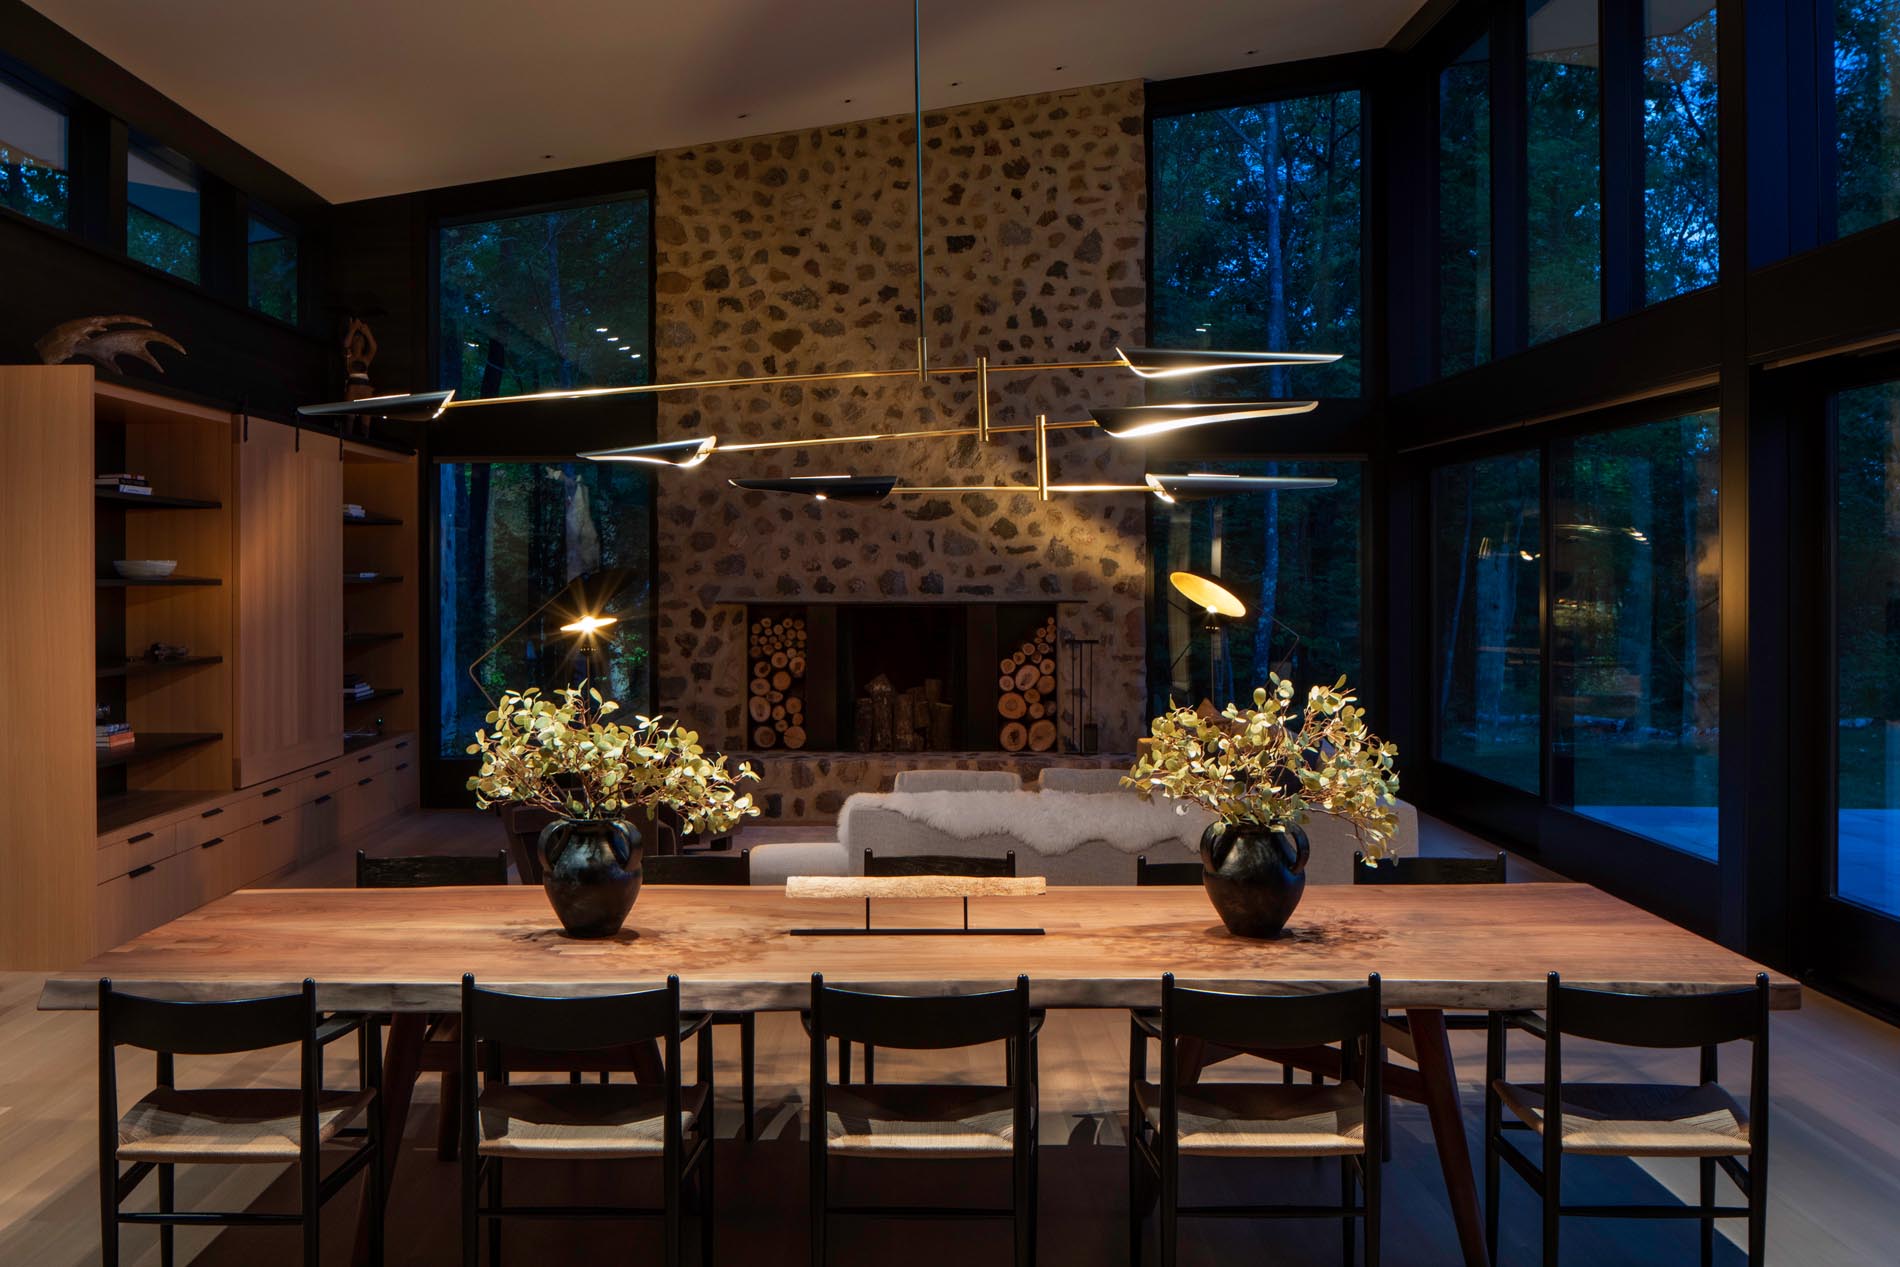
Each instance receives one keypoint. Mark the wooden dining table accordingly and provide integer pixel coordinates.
(403, 951)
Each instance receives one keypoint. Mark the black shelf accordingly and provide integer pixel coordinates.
(143, 668)
(361, 742)
(371, 521)
(369, 639)
(381, 692)
(155, 743)
(122, 809)
(154, 501)
(123, 582)
(373, 580)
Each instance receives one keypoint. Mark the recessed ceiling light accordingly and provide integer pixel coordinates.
(600, 329)
(625, 346)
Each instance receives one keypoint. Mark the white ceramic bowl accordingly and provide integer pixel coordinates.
(144, 569)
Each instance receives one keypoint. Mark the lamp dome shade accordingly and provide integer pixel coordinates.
(1133, 422)
(1186, 362)
(675, 453)
(837, 488)
(1199, 485)
(414, 407)
(1203, 592)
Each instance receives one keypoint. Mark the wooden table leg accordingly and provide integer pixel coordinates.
(402, 1062)
(1440, 1084)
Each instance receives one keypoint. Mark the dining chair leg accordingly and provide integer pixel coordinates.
(1345, 1204)
(376, 1191)
(109, 1214)
(706, 1169)
(670, 1198)
(1170, 1204)
(1375, 1205)
(1553, 1213)
(1707, 1201)
(1758, 1208)
(471, 1189)
(748, 1045)
(494, 1203)
(311, 1209)
(167, 1204)
(1035, 1196)
(820, 1201)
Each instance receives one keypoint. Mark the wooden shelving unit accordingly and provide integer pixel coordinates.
(158, 582)
(155, 743)
(155, 501)
(144, 668)
(366, 581)
(352, 641)
(371, 520)
(380, 614)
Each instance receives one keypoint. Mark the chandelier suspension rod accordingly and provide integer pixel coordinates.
(917, 143)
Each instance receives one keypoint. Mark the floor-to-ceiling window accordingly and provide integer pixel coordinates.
(1635, 646)
(1679, 147)
(1486, 585)
(1564, 164)
(1866, 95)
(544, 300)
(1256, 214)
(1464, 210)
(1293, 558)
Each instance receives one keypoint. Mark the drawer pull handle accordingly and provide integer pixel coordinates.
(403, 765)
(136, 872)
(322, 800)
(323, 774)
(215, 840)
(272, 791)
(366, 782)
(144, 835)
(365, 757)
(212, 813)
(274, 818)
(402, 745)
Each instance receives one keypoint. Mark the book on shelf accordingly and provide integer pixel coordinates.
(137, 488)
(120, 477)
(352, 511)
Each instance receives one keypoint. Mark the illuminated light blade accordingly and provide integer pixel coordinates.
(836, 488)
(590, 624)
(1203, 592)
(1185, 362)
(682, 454)
(415, 407)
(1133, 422)
(1199, 485)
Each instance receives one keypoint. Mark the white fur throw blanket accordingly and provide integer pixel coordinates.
(1050, 823)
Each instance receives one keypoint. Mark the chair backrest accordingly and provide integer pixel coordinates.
(423, 871)
(918, 1022)
(1664, 1020)
(205, 1029)
(1429, 870)
(957, 781)
(939, 864)
(1269, 1020)
(577, 1023)
(699, 868)
(1147, 872)
(1058, 778)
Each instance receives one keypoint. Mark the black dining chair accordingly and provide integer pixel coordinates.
(173, 1125)
(925, 1121)
(1167, 1121)
(505, 1121)
(921, 864)
(1166, 873)
(1607, 1119)
(717, 869)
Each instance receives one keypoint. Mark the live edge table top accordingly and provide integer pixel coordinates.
(405, 950)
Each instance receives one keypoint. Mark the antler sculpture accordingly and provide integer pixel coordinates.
(96, 339)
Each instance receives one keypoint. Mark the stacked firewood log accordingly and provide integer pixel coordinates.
(776, 649)
(913, 720)
(1026, 698)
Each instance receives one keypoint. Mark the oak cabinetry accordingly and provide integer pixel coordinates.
(289, 600)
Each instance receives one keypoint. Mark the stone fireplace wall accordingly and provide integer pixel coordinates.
(795, 253)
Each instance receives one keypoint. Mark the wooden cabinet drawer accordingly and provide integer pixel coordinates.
(270, 846)
(405, 784)
(205, 825)
(364, 803)
(220, 865)
(145, 848)
(317, 826)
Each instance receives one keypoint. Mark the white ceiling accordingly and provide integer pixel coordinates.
(359, 98)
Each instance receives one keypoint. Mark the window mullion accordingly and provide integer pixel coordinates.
(1620, 24)
(1510, 163)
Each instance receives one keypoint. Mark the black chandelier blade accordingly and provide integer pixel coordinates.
(1135, 422)
(1201, 485)
(861, 489)
(1187, 362)
(414, 407)
(681, 454)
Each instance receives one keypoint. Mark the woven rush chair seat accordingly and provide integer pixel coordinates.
(1609, 1119)
(228, 1126)
(1259, 1119)
(587, 1122)
(911, 1120)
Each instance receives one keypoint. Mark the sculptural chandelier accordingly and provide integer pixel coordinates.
(1122, 422)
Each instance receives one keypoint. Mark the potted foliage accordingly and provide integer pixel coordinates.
(1261, 770)
(561, 753)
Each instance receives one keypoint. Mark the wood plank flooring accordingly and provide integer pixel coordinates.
(1835, 1173)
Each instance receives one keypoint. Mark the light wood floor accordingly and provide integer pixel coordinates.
(1835, 1171)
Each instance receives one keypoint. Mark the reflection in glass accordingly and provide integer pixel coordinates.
(513, 536)
(1464, 210)
(161, 214)
(545, 301)
(271, 269)
(1292, 558)
(1487, 538)
(1867, 648)
(32, 155)
(1866, 114)
(1679, 152)
(1565, 158)
(1256, 221)
(1634, 630)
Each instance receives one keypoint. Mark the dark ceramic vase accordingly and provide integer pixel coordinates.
(590, 868)
(1254, 875)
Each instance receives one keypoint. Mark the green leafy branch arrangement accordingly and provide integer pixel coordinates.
(562, 754)
(1271, 764)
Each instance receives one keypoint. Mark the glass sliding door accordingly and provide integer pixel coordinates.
(1635, 649)
(1487, 543)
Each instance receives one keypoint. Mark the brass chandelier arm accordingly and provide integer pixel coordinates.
(933, 433)
(773, 380)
